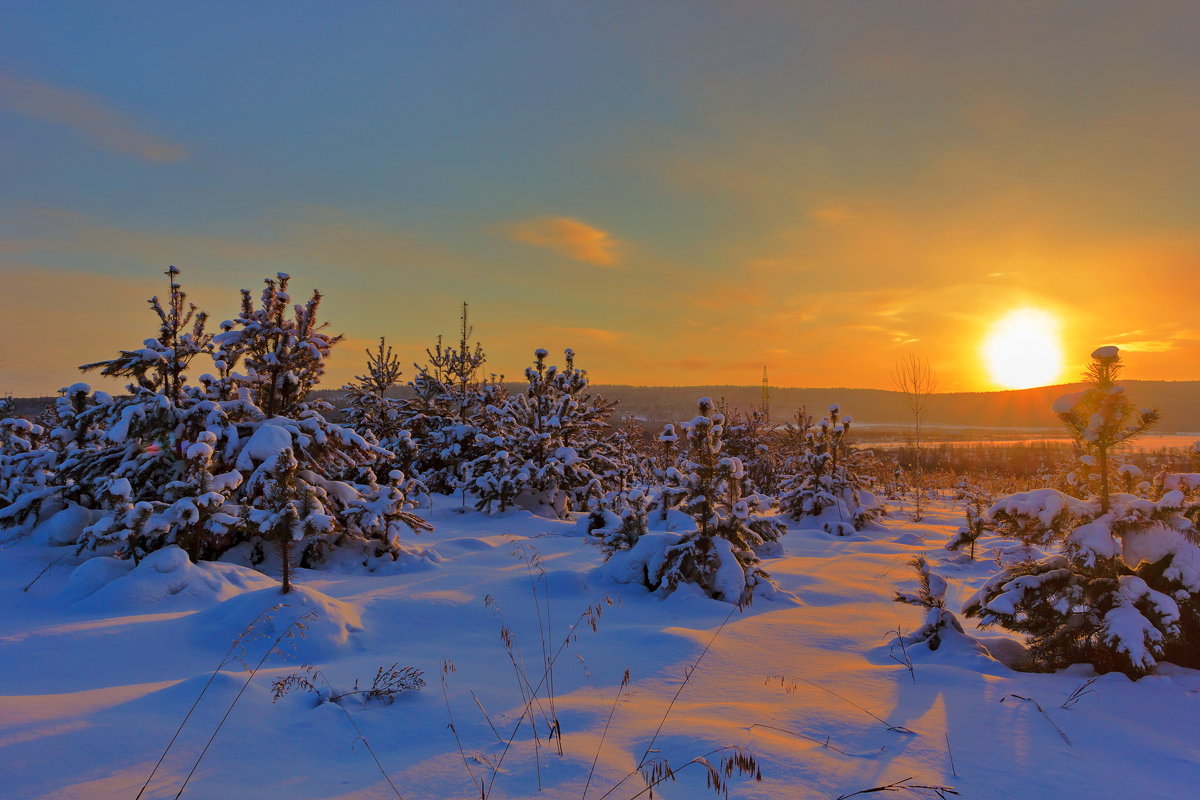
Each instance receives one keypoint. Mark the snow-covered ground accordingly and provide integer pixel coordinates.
(98, 669)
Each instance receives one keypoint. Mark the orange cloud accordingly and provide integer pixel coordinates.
(568, 237)
(594, 334)
(85, 114)
(831, 214)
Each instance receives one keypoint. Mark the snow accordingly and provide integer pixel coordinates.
(1044, 505)
(1129, 630)
(264, 446)
(163, 579)
(102, 660)
(1067, 403)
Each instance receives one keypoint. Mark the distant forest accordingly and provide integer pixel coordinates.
(1025, 409)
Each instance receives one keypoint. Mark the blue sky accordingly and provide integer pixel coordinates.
(683, 192)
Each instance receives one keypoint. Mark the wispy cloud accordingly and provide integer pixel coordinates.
(592, 334)
(86, 114)
(568, 237)
(831, 214)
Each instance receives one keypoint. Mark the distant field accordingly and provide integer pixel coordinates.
(1166, 441)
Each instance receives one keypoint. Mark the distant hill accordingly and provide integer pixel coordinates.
(1025, 409)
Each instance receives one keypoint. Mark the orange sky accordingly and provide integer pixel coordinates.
(681, 193)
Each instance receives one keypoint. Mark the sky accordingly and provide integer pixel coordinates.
(682, 192)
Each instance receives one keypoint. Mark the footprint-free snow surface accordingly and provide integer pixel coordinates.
(100, 662)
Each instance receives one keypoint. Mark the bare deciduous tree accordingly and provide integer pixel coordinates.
(917, 381)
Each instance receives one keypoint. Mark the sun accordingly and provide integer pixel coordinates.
(1022, 349)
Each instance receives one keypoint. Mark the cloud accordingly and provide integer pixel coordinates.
(831, 214)
(568, 237)
(1148, 347)
(85, 114)
(593, 334)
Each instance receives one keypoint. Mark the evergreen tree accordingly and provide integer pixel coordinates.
(931, 596)
(1101, 417)
(27, 463)
(1121, 587)
(748, 436)
(825, 475)
(719, 555)
(975, 504)
(549, 446)
(217, 466)
(381, 419)
(619, 519)
(452, 414)
(283, 356)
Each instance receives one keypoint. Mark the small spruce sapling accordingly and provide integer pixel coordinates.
(825, 475)
(719, 555)
(931, 596)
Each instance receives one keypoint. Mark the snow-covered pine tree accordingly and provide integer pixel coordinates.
(196, 466)
(549, 449)
(975, 502)
(281, 347)
(369, 407)
(451, 411)
(1101, 417)
(380, 418)
(1121, 586)
(671, 484)
(719, 555)
(748, 436)
(931, 596)
(619, 519)
(26, 468)
(824, 475)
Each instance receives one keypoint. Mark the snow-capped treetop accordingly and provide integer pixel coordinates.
(161, 364)
(283, 358)
(1101, 417)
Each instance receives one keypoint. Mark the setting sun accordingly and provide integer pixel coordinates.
(1022, 349)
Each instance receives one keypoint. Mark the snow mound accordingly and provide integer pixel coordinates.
(63, 527)
(165, 578)
(320, 625)
(645, 558)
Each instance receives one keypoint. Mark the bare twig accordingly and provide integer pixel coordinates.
(296, 626)
(1038, 706)
(45, 569)
(823, 742)
(906, 662)
(237, 640)
(735, 759)
(362, 737)
(486, 716)
(590, 616)
(1080, 691)
(448, 667)
(687, 676)
(604, 734)
(790, 689)
(904, 785)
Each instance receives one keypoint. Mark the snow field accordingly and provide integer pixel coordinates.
(100, 663)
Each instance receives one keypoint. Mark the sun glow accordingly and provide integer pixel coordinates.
(1022, 349)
